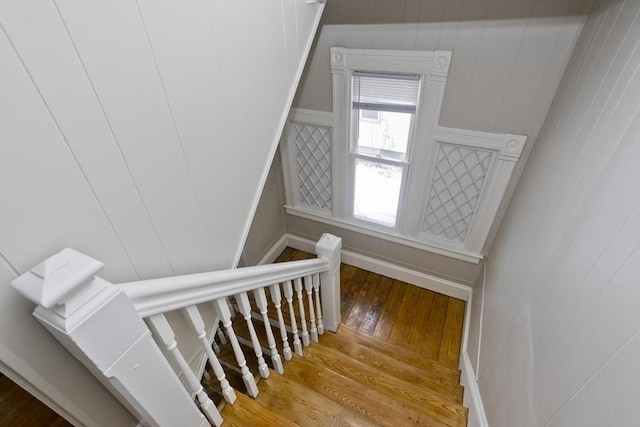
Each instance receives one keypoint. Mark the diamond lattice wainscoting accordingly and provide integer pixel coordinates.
(313, 159)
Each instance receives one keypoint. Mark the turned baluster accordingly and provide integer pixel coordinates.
(261, 303)
(316, 290)
(244, 307)
(308, 287)
(166, 335)
(194, 318)
(303, 322)
(288, 294)
(223, 311)
(221, 337)
(276, 297)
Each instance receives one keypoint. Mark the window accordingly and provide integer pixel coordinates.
(380, 164)
(383, 114)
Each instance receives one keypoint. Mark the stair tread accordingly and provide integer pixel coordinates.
(399, 353)
(304, 406)
(429, 401)
(393, 366)
(351, 394)
(247, 412)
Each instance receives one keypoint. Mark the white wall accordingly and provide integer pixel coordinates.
(560, 334)
(268, 223)
(140, 133)
(508, 59)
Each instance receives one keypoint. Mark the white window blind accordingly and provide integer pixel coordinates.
(385, 92)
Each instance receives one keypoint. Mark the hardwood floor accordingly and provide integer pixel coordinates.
(421, 321)
(19, 408)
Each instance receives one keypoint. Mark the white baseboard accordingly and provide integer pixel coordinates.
(472, 398)
(423, 280)
(275, 250)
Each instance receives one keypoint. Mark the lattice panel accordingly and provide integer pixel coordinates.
(457, 183)
(313, 158)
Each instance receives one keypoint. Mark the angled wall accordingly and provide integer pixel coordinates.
(560, 340)
(140, 133)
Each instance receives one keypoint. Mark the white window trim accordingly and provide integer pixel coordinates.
(433, 67)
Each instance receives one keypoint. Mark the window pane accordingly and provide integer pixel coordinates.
(377, 191)
(383, 133)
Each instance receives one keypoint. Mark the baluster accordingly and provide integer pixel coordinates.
(214, 343)
(194, 318)
(221, 337)
(288, 294)
(223, 311)
(245, 309)
(308, 287)
(261, 302)
(316, 289)
(163, 330)
(276, 297)
(303, 322)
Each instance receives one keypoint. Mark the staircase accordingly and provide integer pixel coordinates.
(346, 379)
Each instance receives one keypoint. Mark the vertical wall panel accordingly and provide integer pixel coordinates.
(49, 55)
(134, 101)
(567, 252)
(47, 204)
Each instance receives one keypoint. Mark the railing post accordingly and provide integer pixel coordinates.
(99, 325)
(328, 247)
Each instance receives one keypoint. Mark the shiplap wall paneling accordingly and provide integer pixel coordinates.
(47, 204)
(561, 319)
(58, 74)
(135, 101)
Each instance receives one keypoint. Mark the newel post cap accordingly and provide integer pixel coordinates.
(328, 246)
(53, 280)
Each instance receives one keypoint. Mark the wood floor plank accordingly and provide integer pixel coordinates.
(390, 310)
(304, 406)
(393, 366)
(435, 327)
(352, 395)
(350, 292)
(363, 300)
(19, 408)
(247, 412)
(286, 254)
(406, 313)
(378, 300)
(452, 334)
(417, 360)
(417, 330)
(426, 400)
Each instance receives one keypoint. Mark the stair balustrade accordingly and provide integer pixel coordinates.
(108, 326)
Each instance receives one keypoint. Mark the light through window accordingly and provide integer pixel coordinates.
(384, 108)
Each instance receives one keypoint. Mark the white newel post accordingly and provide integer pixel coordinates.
(99, 325)
(328, 247)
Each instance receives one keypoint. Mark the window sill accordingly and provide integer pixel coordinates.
(386, 235)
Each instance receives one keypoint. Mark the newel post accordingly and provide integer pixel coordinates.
(328, 247)
(101, 328)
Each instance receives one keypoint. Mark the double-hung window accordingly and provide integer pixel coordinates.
(383, 112)
(380, 164)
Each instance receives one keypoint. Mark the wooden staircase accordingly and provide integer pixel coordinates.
(347, 379)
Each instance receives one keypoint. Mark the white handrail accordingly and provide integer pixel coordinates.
(157, 296)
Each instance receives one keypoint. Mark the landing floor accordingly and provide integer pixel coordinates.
(419, 320)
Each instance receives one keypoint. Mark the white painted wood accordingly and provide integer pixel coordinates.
(328, 248)
(316, 290)
(244, 307)
(560, 322)
(308, 287)
(172, 293)
(304, 334)
(261, 303)
(163, 331)
(288, 294)
(135, 102)
(194, 318)
(58, 72)
(247, 377)
(98, 324)
(276, 297)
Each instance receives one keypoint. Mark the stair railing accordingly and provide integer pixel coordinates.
(103, 325)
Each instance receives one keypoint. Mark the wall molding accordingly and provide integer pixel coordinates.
(472, 398)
